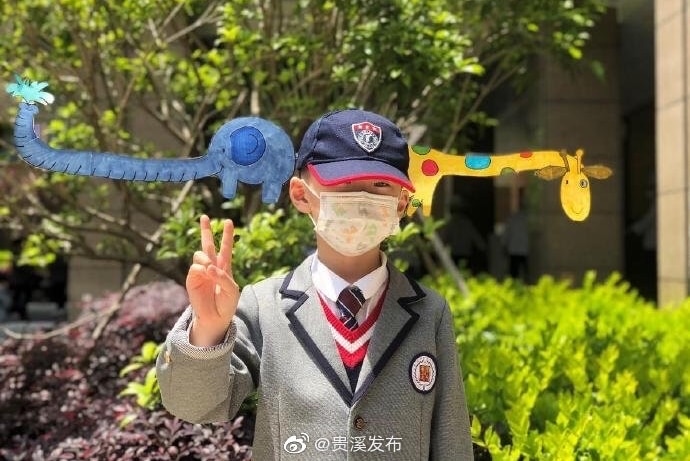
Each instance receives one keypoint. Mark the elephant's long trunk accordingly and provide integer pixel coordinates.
(106, 165)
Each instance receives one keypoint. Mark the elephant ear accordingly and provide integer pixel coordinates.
(249, 149)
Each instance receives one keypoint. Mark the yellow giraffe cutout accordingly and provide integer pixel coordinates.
(428, 166)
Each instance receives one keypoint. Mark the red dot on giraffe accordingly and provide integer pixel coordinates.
(429, 168)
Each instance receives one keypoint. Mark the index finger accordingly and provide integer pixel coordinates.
(207, 244)
(227, 243)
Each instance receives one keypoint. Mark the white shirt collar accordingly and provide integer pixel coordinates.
(330, 284)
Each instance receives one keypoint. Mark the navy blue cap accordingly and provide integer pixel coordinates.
(351, 144)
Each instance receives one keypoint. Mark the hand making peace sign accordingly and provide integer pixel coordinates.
(213, 292)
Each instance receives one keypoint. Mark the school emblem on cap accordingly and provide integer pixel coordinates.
(367, 135)
(423, 372)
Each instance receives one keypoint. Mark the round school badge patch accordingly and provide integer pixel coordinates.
(423, 371)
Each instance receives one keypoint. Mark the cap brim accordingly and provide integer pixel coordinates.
(334, 173)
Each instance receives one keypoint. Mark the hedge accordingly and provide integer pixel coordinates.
(552, 372)
(563, 373)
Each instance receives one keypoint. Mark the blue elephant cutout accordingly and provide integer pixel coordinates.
(250, 150)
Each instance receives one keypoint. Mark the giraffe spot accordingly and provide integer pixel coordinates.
(507, 170)
(429, 168)
(477, 161)
(421, 150)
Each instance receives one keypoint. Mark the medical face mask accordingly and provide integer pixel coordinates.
(353, 223)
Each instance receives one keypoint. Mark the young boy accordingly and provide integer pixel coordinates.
(352, 359)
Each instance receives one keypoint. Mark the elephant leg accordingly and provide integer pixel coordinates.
(228, 179)
(270, 191)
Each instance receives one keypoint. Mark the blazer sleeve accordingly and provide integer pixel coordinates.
(450, 430)
(208, 384)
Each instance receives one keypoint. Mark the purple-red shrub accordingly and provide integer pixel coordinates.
(59, 396)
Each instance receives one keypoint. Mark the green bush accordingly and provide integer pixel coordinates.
(556, 372)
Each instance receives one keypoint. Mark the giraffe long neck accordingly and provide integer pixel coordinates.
(474, 164)
(428, 166)
(430, 163)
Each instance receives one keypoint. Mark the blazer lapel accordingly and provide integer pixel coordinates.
(310, 326)
(392, 327)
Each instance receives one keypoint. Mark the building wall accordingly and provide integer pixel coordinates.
(672, 72)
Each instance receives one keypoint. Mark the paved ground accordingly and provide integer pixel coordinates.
(42, 316)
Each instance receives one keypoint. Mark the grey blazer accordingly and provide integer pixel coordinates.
(409, 403)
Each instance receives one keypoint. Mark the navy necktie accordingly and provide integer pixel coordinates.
(349, 302)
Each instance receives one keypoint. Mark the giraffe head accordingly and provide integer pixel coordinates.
(575, 191)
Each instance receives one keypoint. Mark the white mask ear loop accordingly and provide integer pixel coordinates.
(308, 187)
(315, 194)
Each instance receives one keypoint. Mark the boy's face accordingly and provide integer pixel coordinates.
(307, 201)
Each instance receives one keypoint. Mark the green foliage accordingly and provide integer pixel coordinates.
(555, 372)
(181, 237)
(5, 260)
(39, 251)
(146, 392)
(271, 243)
(405, 246)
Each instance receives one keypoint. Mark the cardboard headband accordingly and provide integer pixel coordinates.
(255, 151)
